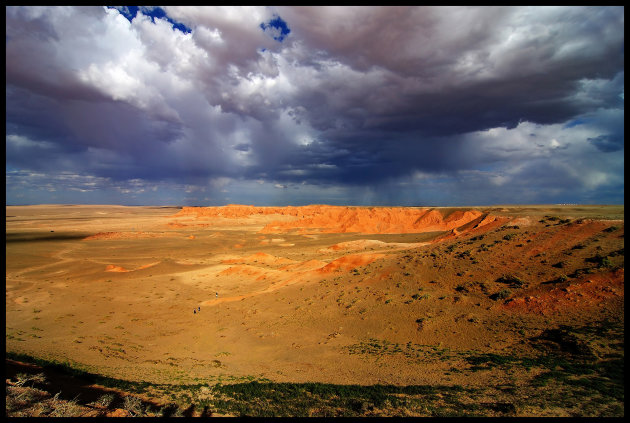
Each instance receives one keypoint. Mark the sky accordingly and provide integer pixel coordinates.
(276, 106)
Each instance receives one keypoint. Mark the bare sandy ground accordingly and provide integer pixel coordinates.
(113, 289)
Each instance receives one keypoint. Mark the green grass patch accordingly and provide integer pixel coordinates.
(329, 400)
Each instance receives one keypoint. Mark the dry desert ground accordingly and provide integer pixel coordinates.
(322, 310)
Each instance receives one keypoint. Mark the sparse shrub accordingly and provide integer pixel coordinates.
(599, 260)
(133, 405)
(11, 402)
(64, 408)
(464, 254)
(501, 295)
(619, 252)
(577, 247)
(511, 280)
(509, 236)
(176, 412)
(559, 265)
(611, 229)
(42, 409)
(23, 378)
(152, 412)
(421, 323)
(105, 400)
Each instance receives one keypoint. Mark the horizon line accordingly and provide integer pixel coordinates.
(316, 204)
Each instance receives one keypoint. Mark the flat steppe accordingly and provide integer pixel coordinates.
(478, 298)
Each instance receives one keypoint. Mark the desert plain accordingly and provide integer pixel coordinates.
(498, 310)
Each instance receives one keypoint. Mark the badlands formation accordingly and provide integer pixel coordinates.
(341, 295)
(337, 219)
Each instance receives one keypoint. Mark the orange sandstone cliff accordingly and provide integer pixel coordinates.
(342, 219)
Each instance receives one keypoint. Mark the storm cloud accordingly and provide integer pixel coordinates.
(301, 105)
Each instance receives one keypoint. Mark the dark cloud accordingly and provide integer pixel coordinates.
(606, 143)
(356, 104)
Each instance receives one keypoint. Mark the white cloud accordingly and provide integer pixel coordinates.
(20, 142)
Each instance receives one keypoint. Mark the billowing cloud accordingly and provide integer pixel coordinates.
(297, 105)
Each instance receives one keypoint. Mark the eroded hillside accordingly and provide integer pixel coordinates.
(477, 299)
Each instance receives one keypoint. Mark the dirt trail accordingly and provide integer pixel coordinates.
(59, 256)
